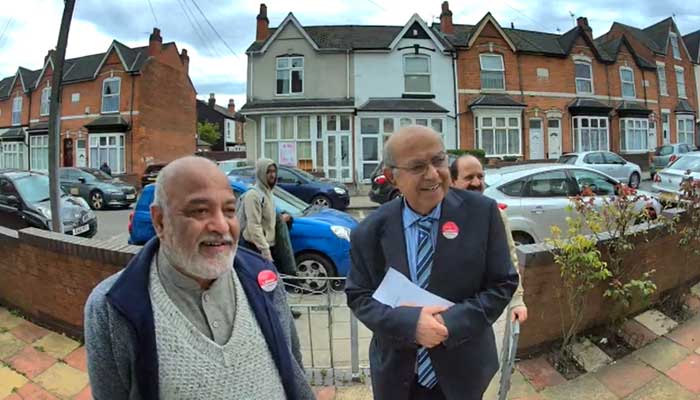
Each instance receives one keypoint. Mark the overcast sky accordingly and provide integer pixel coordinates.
(28, 28)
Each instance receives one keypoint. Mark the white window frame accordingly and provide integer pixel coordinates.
(45, 101)
(663, 83)
(290, 60)
(312, 139)
(675, 46)
(627, 133)
(482, 70)
(13, 155)
(577, 126)
(17, 111)
(481, 115)
(680, 83)
(117, 95)
(623, 82)
(428, 74)
(96, 161)
(689, 135)
(576, 78)
(39, 152)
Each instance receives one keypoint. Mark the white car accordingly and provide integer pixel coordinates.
(536, 196)
(667, 182)
(608, 163)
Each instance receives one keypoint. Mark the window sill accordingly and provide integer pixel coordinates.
(409, 95)
(288, 94)
(585, 94)
(499, 91)
(109, 112)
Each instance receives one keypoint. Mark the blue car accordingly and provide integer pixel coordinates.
(320, 236)
(313, 190)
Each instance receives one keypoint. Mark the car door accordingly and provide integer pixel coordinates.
(594, 184)
(616, 166)
(289, 182)
(545, 201)
(596, 161)
(69, 181)
(10, 212)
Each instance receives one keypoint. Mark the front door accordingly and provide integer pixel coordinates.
(68, 152)
(666, 127)
(80, 153)
(337, 148)
(536, 140)
(554, 139)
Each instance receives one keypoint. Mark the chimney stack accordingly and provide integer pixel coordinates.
(155, 42)
(50, 54)
(212, 100)
(582, 22)
(262, 30)
(231, 106)
(446, 19)
(185, 59)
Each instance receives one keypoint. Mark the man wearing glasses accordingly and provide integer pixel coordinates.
(449, 242)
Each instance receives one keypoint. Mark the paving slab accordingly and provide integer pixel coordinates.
(688, 334)
(625, 376)
(520, 388)
(9, 381)
(695, 290)
(585, 387)
(31, 362)
(31, 391)
(636, 335)
(29, 332)
(77, 359)
(692, 304)
(687, 373)
(9, 345)
(663, 354)
(661, 388)
(85, 394)
(8, 320)
(589, 356)
(656, 321)
(355, 392)
(540, 373)
(325, 393)
(57, 346)
(63, 380)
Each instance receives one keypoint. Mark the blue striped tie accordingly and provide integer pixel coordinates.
(424, 264)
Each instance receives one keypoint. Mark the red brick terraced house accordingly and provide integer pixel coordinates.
(535, 95)
(128, 106)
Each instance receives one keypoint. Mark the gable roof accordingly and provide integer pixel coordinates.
(613, 46)
(290, 19)
(223, 111)
(416, 19)
(692, 43)
(482, 24)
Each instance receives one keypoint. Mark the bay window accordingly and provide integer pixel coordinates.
(108, 147)
(590, 133)
(499, 135)
(685, 125)
(39, 153)
(633, 134)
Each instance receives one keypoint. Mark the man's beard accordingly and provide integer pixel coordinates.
(197, 265)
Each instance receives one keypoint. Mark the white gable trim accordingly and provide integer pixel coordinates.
(14, 80)
(416, 18)
(104, 59)
(293, 20)
(481, 26)
(41, 75)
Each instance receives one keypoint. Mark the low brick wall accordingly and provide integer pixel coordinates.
(675, 267)
(48, 276)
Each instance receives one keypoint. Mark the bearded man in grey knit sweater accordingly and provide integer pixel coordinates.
(192, 316)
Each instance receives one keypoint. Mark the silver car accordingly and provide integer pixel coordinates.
(668, 181)
(608, 163)
(667, 154)
(536, 196)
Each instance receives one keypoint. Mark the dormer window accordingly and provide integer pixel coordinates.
(111, 89)
(45, 97)
(674, 46)
(17, 110)
(584, 77)
(627, 82)
(492, 71)
(416, 72)
(290, 75)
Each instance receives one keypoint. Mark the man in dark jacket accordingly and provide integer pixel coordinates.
(192, 316)
(105, 168)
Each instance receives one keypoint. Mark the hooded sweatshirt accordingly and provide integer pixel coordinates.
(259, 211)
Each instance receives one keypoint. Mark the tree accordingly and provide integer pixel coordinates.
(209, 132)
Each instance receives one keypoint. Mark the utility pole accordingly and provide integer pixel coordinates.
(55, 116)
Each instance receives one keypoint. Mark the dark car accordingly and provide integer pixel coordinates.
(24, 203)
(382, 190)
(313, 190)
(151, 173)
(99, 189)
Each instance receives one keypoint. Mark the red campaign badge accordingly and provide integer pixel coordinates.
(450, 230)
(267, 280)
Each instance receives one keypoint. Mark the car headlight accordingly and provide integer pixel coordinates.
(87, 216)
(341, 232)
(45, 211)
(114, 191)
(339, 190)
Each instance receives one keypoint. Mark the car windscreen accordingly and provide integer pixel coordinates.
(568, 159)
(33, 188)
(305, 174)
(286, 201)
(686, 163)
(663, 150)
(99, 175)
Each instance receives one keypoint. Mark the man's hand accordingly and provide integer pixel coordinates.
(285, 217)
(519, 312)
(431, 329)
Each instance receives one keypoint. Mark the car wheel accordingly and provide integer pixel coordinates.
(522, 238)
(321, 200)
(313, 271)
(97, 200)
(634, 180)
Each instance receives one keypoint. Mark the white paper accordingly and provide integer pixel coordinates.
(396, 289)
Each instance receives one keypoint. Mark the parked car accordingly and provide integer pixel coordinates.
(99, 189)
(381, 189)
(227, 165)
(320, 236)
(668, 181)
(536, 196)
(667, 154)
(608, 163)
(151, 173)
(317, 191)
(24, 202)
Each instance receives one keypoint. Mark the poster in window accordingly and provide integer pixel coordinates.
(288, 153)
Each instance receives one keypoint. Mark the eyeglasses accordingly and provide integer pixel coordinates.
(421, 167)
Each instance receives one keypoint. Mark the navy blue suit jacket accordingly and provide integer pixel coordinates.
(473, 270)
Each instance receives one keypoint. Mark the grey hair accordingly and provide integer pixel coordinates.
(160, 196)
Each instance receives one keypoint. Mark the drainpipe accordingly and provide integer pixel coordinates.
(131, 122)
(455, 56)
(26, 138)
(347, 74)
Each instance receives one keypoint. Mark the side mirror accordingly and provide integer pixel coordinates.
(13, 201)
(81, 180)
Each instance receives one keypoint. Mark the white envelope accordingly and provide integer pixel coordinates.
(396, 289)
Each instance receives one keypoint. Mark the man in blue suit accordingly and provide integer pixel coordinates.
(450, 242)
